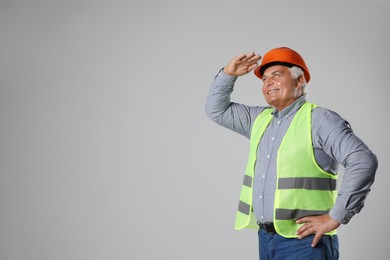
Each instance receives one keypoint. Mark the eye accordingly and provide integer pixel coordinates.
(276, 75)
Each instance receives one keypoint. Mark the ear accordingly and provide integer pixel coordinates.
(300, 81)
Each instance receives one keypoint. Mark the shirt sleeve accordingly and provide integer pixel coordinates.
(335, 136)
(221, 110)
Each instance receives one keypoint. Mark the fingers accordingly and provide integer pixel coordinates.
(306, 230)
(310, 226)
(309, 231)
(253, 66)
(316, 239)
(302, 220)
(249, 57)
(318, 225)
(303, 230)
(254, 57)
(242, 64)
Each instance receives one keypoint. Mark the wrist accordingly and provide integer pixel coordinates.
(227, 72)
(226, 75)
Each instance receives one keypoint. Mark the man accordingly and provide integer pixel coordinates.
(289, 189)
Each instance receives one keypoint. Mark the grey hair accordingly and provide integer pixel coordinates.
(296, 72)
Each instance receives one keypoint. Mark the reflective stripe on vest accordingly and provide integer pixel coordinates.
(303, 188)
(245, 218)
(307, 183)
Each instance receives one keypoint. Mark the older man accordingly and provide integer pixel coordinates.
(289, 191)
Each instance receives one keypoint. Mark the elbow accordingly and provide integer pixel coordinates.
(210, 114)
(363, 162)
(374, 163)
(371, 164)
(207, 110)
(214, 114)
(371, 161)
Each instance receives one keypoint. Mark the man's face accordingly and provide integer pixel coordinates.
(279, 88)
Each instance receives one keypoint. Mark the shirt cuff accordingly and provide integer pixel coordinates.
(343, 216)
(223, 76)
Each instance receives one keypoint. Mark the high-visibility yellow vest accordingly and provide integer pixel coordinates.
(302, 187)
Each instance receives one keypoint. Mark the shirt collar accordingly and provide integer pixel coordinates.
(291, 109)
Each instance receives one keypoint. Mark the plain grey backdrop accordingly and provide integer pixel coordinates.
(105, 148)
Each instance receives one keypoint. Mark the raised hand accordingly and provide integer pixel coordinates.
(242, 64)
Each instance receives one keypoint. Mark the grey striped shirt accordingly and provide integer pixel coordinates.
(334, 143)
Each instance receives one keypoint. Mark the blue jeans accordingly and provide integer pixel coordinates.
(276, 247)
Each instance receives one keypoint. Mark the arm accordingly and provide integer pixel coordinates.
(337, 139)
(220, 109)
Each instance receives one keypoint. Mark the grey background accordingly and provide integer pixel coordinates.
(106, 152)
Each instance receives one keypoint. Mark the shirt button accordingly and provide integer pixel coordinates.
(261, 217)
(263, 176)
(278, 122)
(260, 197)
(272, 138)
(268, 156)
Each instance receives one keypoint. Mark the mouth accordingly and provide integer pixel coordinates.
(272, 91)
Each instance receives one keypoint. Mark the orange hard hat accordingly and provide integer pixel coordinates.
(282, 56)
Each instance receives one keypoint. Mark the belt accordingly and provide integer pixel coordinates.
(267, 227)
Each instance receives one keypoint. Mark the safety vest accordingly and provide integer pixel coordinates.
(302, 187)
